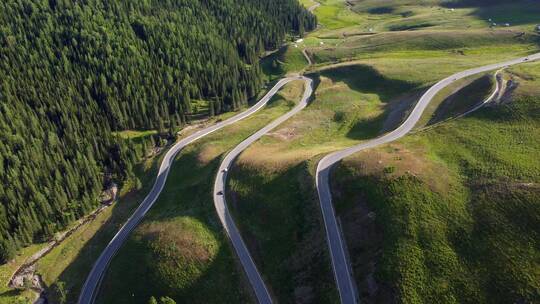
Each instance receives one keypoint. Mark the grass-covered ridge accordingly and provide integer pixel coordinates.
(272, 197)
(283, 230)
(366, 82)
(451, 213)
(180, 246)
(286, 60)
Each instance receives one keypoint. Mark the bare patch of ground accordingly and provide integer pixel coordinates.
(284, 134)
(396, 159)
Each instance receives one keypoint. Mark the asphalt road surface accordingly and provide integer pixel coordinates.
(91, 285)
(342, 272)
(340, 263)
(253, 275)
(314, 6)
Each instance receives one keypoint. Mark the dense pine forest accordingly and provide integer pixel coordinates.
(74, 71)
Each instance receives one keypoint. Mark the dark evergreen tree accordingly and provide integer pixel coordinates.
(73, 72)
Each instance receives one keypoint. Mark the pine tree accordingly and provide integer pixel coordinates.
(140, 73)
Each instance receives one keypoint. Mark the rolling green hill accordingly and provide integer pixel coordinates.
(366, 83)
(450, 214)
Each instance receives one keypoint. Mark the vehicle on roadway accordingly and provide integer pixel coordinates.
(220, 193)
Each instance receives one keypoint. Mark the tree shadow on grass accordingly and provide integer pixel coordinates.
(271, 64)
(10, 294)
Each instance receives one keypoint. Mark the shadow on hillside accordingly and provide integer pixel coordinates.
(271, 64)
(9, 294)
(463, 100)
(148, 272)
(283, 230)
(367, 80)
(516, 12)
(134, 274)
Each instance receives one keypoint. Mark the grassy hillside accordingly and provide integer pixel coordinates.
(378, 76)
(450, 215)
(272, 197)
(76, 254)
(362, 15)
(428, 33)
(457, 98)
(427, 43)
(284, 61)
(180, 248)
(12, 296)
(283, 230)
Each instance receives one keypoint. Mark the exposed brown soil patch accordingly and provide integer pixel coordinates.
(395, 159)
(207, 154)
(285, 134)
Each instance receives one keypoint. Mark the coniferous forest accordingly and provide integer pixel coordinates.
(74, 71)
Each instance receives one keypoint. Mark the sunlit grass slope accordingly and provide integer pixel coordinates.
(451, 214)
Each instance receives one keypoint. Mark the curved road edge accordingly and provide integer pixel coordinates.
(496, 91)
(253, 275)
(314, 6)
(340, 263)
(91, 286)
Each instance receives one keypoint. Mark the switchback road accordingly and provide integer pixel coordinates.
(253, 275)
(341, 265)
(91, 285)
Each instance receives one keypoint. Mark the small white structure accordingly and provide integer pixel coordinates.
(452, 9)
(494, 24)
(299, 40)
(507, 24)
(370, 29)
(538, 28)
(489, 20)
(321, 43)
(295, 45)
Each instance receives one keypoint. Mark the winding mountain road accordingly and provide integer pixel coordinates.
(341, 267)
(91, 285)
(314, 6)
(340, 263)
(254, 277)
